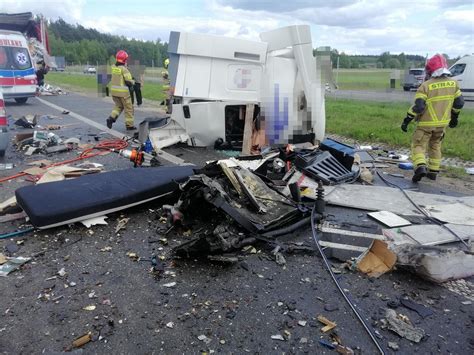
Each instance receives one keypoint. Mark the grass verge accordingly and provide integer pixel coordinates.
(380, 122)
(364, 79)
(88, 83)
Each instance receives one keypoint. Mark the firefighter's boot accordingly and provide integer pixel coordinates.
(420, 172)
(110, 121)
(432, 174)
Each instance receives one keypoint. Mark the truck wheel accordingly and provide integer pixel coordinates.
(21, 100)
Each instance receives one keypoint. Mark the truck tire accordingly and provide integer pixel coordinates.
(21, 100)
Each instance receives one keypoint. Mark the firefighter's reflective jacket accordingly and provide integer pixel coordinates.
(435, 100)
(121, 80)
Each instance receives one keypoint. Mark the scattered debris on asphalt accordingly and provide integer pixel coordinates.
(402, 326)
(377, 260)
(11, 264)
(28, 121)
(423, 311)
(233, 210)
(121, 223)
(82, 340)
(328, 325)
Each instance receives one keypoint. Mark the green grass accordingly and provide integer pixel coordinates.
(365, 79)
(88, 83)
(456, 172)
(380, 122)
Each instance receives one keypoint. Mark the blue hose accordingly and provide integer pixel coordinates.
(16, 234)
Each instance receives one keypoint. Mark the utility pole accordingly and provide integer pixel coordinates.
(337, 72)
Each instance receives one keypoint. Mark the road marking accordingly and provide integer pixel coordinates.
(162, 154)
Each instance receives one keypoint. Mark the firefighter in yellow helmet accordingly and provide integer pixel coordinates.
(120, 90)
(438, 102)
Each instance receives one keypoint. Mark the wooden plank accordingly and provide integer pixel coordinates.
(329, 325)
(247, 141)
(230, 175)
(352, 233)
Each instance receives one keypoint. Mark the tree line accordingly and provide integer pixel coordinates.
(80, 45)
(384, 60)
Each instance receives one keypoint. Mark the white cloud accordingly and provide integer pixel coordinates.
(353, 26)
(283, 6)
(69, 10)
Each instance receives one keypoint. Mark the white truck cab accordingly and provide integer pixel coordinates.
(463, 72)
(213, 78)
(17, 72)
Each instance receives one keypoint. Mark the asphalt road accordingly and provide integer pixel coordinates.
(238, 307)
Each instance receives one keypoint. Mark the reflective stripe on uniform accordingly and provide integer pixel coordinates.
(411, 113)
(457, 94)
(418, 159)
(434, 164)
(420, 95)
(435, 120)
(119, 88)
(440, 98)
(441, 123)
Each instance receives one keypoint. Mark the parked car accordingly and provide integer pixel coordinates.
(463, 72)
(4, 138)
(413, 78)
(90, 70)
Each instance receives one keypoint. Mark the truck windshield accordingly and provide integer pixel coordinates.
(15, 58)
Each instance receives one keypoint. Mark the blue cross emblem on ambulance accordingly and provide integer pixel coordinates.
(21, 58)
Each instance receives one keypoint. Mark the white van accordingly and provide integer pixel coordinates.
(463, 72)
(17, 72)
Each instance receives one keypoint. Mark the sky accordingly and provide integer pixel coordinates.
(422, 27)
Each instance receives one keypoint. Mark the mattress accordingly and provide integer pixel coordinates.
(57, 203)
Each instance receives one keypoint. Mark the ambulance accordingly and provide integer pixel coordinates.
(17, 71)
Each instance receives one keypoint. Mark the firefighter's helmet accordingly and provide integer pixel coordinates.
(436, 64)
(121, 56)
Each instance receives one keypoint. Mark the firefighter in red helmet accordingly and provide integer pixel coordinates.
(438, 102)
(120, 84)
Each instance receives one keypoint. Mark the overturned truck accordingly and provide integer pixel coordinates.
(219, 83)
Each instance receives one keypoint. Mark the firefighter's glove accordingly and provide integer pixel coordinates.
(453, 122)
(405, 123)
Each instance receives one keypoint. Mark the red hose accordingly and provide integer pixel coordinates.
(107, 146)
